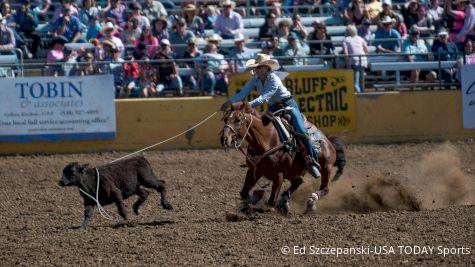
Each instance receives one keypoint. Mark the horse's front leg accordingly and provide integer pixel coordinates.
(276, 185)
(284, 199)
(249, 183)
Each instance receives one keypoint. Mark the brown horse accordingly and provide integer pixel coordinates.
(267, 156)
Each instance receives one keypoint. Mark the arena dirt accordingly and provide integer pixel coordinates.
(413, 195)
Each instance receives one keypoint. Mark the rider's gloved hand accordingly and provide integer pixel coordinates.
(225, 105)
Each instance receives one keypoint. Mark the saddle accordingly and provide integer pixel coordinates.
(283, 123)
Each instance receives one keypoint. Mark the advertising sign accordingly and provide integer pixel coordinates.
(57, 108)
(326, 97)
(468, 96)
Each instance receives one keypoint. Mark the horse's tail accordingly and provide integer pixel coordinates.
(340, 162)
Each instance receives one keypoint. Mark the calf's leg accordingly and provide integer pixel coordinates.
(88, 210)
(143, 195)
(119, 201)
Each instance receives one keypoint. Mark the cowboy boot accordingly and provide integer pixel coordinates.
(313, 167)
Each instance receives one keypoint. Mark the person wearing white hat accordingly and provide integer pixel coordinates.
(275, 94)
(108, 30)
(239, 54)
(387, 32)
(7, 39)
(229, 22)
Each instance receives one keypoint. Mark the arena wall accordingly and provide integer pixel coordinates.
(380, 118)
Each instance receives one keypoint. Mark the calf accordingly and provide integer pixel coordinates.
(118, 181)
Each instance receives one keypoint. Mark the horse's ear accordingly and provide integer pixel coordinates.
(267, 118)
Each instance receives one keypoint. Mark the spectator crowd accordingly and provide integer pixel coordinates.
(146, 43)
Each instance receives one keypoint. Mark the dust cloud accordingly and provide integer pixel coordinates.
(435, 181)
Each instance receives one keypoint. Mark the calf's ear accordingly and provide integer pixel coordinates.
(83, 167)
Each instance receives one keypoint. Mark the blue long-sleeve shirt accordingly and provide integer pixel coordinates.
(272, 90)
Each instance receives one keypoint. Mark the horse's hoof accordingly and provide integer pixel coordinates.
(312, 203)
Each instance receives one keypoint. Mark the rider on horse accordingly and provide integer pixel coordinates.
(273, 92)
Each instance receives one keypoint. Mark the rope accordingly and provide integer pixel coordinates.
(164, 141)
(102, 211)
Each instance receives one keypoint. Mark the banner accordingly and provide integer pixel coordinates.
(326, 97)
(468, 96)
(57, 108)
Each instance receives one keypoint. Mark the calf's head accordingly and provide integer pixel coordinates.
(71, 174)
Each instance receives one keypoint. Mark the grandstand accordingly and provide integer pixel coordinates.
(384, 71)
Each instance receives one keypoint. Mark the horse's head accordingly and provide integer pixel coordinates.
(235, 124)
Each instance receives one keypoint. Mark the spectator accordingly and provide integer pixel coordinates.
(88, 65)
(148, 79)
(356, 13)
(8, 17)
(193, 21)
(468, 57)
(69, 66)
(444, 50)
(268, 29)
(117, 12)
(469, 22)
(295, 53)
(135, 13)
(284, 32)
(387, 32)
(192, 53)
(70, 27)
(239, 54)
(168, 78)
(364, 31)
(211, 15)
(374, 7)
(211, 68)
(56, 54)
(275, 48)
(216, 40)
(26, 20)
(131, 33)
(409, 12)
(180, 37)
(7, 39)
(65, 5)
(139, 52)
(132, 70)
(114, 67)
(417, 52)
(454, 20)
(153, 9)
(229, 22)
(160, 30)
(89, 12)
(401, 27)
(266, 48)
(166, 49)
(298, 27)
(93, 29)
(386, 11)
(423, 23)
(319, 40)
(355, 46)
(149, 40)
(108, 31)
(436, 13)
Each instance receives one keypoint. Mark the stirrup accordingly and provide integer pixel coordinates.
(313, 170)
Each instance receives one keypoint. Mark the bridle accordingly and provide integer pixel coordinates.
(235, 137)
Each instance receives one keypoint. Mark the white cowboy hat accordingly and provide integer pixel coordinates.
(262, 60)
(387, 20)
(228, 3)
(215, 37)
(109, 25)
(239, 37)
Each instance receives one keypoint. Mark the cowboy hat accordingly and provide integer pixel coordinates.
(215, 38)
(108, 26)
(387, 20)
(238, 37)
(262, 60)
(189, 7)
(228, 3)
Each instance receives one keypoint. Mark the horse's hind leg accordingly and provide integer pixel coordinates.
(284, 200)
(149, 180)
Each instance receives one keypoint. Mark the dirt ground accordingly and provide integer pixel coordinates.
(396, 205)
